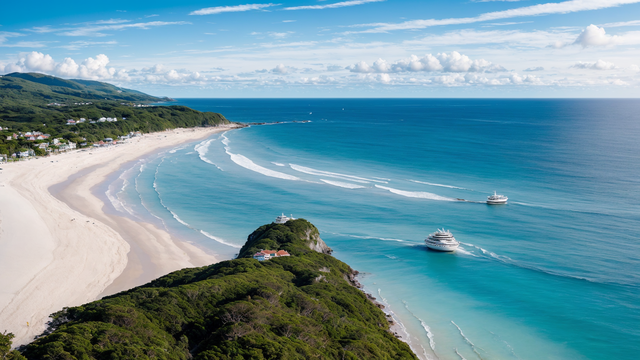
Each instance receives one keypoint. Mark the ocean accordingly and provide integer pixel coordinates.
(554, 274)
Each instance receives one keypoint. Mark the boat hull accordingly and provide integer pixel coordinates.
(441, 247)
(496, 202)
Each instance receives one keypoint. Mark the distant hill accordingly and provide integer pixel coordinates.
(304, 306)
(35, 102)
(34, 87)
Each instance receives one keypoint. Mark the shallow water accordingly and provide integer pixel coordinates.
(554, 274)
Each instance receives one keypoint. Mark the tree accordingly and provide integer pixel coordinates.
(5, 348)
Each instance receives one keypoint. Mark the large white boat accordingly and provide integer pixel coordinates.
(496, 199)
(283, 219)
(441, 240)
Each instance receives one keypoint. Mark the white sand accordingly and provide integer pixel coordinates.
(49, 261)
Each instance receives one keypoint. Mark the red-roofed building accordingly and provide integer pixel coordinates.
(268, 254)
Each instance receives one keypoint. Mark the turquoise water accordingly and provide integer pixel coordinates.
(555, 274)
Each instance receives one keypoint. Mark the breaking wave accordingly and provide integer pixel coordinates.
(250, 165)
(310, 171)
(427, 329)
(221, 241)
(343, 184)
(416, 194)
(202, 149)
(277, 164)
(472, 345)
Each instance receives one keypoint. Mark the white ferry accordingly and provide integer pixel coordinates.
(496, 199)
(283, 219)
(442, 240)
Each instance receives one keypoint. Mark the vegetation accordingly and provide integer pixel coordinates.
(298, 307)
(26, 105)
(5, 348)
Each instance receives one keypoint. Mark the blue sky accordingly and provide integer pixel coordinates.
(353, 48)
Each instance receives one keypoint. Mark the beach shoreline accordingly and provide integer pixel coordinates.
(60, 248)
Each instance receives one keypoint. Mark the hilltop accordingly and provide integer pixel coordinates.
(31, 102)
(297, 307)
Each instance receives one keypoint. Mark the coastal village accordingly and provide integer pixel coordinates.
(37, 143)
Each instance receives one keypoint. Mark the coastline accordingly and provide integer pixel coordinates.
(60, 248)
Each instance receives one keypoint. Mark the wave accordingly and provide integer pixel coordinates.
(416, 194)
(406, 337)
(203, 149)
(427, 329)
(250, 165)
(457, 353)
(221, 241)
(310, 171)
(441, 185)
(277, 164)
(173, 151)
(225, 140)
(343, 184)
(472, 345)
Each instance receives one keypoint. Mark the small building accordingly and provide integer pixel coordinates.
(71, 122)
(71, 145)
(263, 255)
(43, 146)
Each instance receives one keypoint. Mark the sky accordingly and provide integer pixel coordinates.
(332, 48)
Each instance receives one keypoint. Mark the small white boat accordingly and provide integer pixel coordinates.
(496, 199)
(441, 240)
(283, 219)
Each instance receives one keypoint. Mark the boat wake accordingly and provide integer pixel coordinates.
(441, 185)
(416, 194)
(509, 261)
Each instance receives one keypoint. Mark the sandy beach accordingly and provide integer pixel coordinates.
(58, 248)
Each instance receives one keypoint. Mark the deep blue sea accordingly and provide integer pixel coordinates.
(555, 274)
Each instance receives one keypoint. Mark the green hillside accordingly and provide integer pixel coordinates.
(37, 88)
(35, 102)
(299, 307)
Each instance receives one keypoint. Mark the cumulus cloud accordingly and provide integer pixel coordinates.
(333, 6)
(225, 9)
(452, 62)
(538, 68)
(281, 69)
(598, 65)
(91, 68)
(595, 36)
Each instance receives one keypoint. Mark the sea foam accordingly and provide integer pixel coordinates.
(342, 184)
(310, 171)
(416, 194)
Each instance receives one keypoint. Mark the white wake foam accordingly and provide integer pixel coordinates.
(342, 184)
(416, 194)
(310, 171)
(277, 164)
(441, 185)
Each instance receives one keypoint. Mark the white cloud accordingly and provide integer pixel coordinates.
(452, 62)
(76, 45)
(225, 9)
(333, 6)
(534, 10)
(598, 65)
(538, 68)
(97, 28)
(535, 39)
(91, 68)
(622, 23)
(595, 36)
(281, 69)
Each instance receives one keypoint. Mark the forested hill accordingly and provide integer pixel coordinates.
(34, 88)
(303, 306)
(44, 104)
